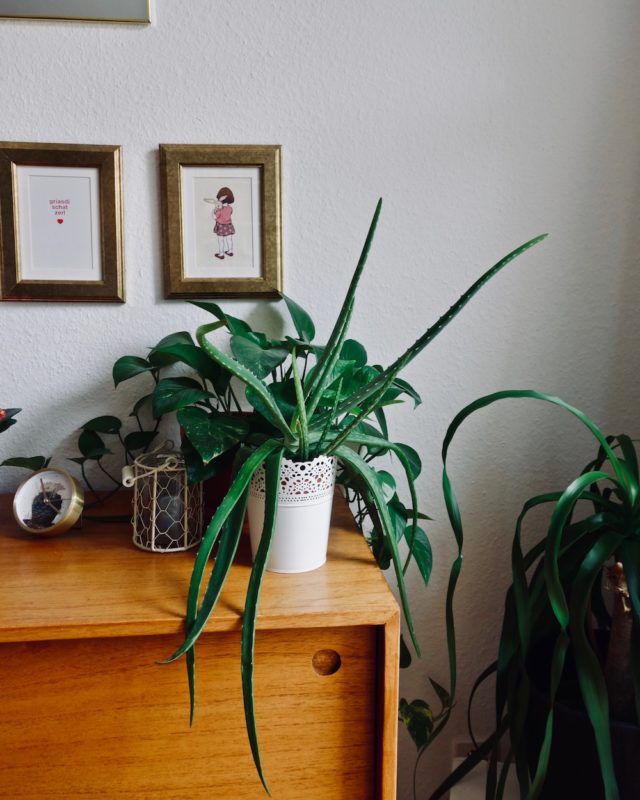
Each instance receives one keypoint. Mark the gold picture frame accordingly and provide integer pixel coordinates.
(126, 11)
(61, 223)
(221, 220)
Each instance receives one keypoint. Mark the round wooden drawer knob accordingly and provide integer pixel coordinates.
(326, 662)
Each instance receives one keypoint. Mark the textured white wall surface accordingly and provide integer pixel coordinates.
(481, 125)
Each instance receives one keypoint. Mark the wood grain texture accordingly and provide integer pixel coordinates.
(94, 582)
(88, 712)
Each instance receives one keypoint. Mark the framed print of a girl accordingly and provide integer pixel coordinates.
(223, 227)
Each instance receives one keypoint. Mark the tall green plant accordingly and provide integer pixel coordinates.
(310, 400)
(555, 591)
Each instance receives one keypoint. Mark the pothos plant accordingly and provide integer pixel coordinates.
(307, 401)
(591, 543)
(206, 386)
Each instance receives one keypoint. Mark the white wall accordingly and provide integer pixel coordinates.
(481, 124)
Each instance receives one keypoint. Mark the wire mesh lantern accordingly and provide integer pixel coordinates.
(167, 511)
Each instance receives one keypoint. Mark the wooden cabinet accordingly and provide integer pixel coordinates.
(86, 711)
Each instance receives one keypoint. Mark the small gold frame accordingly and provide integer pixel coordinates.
(106, 159)
(185, 281)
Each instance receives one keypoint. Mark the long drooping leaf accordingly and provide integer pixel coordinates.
(409, 466)
(561, 514)
(231, 499)
(630, 557)
(453, 509)
(368, 475)
(272, 485)
(557, 665)
(590, 677)
(229, 539)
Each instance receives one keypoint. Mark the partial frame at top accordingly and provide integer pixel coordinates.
(222, 225)
(123, 11)
(61, 223)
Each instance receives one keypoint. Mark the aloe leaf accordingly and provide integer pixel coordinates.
(247, 377)
(368, 475)
(272, 485)
(258, 360)
(318, 381)
(212, 592)
(300, 415)
(377, 388)
(235, 325)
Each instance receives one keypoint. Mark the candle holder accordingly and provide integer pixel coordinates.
(167, 511)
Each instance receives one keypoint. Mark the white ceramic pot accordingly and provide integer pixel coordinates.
(303, 518)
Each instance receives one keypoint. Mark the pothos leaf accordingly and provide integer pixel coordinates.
(418, 719)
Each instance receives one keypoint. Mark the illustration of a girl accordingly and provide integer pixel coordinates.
(224, 227)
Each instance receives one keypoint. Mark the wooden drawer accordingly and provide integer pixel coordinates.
(98, 718)
(87, 712)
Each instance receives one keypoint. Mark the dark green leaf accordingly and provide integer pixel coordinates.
(103, 425)
(160, 355)
(354, 351)
(212, 433)
(172, 394)
(235, 325)
(302, 321)
(418, 718)
(130, 366)
(413, 459)
(443, 694)
(191, 355)
(33, 463)
(258, 361)
(7, 418)
(91, 445)
(407, 389)
(421, 551)
(139, 440)
(140, 404)
(405, 654)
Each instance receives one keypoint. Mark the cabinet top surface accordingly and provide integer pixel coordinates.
(93, 582)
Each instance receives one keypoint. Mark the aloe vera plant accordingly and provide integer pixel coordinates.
(307, 400)
(557, 593)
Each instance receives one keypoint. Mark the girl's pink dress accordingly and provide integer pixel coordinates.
(224, 226)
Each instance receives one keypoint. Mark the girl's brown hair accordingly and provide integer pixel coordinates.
(225, 195)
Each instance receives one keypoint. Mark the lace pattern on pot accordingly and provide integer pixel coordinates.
(301, 482)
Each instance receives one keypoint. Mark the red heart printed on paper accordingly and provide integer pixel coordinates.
(59, 221)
